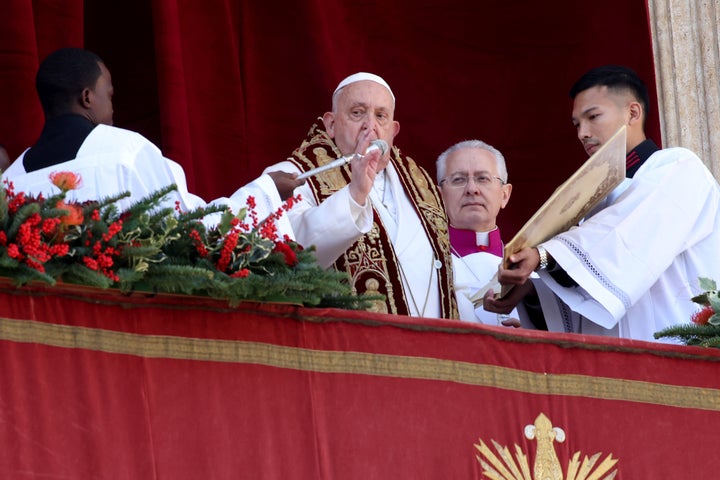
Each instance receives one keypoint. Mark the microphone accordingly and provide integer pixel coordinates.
(378, 144)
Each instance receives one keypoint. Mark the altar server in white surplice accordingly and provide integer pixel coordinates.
(379, 218)
(75, 90)
(632, 268)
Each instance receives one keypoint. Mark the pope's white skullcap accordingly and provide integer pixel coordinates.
(360, 76)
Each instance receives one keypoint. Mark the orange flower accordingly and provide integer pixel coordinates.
(75, 215)
(66, 181)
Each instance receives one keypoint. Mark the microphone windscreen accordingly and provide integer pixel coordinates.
(381, 144)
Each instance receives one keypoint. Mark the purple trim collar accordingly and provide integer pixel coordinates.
(464, 242)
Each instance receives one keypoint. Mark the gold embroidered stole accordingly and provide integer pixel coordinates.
(371, 262)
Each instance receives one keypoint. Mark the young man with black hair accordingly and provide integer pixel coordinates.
(632, 268)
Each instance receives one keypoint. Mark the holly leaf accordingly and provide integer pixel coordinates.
(708, 284)
(715, 302)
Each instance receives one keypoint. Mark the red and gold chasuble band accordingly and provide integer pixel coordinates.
(371, 262)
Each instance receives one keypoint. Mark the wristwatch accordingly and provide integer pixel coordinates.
(543, 258)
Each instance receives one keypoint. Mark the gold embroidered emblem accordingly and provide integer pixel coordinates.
(372, 287)
(330, 180)
(547, 466)
(365, 261)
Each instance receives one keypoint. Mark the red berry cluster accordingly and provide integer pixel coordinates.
(288, 253)
(198, 243)
(702, 317)
(33, 242)
(104, 255)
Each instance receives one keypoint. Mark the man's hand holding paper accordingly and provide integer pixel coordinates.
(505, 304)
(570, 202)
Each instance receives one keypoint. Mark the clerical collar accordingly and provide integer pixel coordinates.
(637, 156)
(465, 242)
(60, 140)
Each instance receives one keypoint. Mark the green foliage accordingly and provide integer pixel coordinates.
(704, 330)
(153, 249)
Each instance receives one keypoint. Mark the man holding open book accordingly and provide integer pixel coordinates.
(631, 268)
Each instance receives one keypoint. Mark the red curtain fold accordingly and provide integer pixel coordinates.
(203, 108)
(229, 87)
(29, 31)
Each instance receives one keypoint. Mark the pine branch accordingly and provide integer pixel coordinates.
(179, 279)
(80, 274)
(691, 334)
(22, 275)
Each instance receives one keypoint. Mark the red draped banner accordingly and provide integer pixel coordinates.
(97, 385)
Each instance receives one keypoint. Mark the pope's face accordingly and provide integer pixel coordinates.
(474, 206)
(597, 114)
(364, 111)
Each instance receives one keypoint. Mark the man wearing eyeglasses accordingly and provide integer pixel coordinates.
(473, 181)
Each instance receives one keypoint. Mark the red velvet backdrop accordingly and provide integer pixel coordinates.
(228, 87)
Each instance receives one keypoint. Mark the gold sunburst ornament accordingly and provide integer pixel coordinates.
(502, 466)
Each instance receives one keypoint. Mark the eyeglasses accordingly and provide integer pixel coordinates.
(459, 180)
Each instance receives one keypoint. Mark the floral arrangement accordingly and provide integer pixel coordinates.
(704, 329)
(156, 249)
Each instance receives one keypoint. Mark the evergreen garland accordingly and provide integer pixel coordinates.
(149, 248)
(704, 330)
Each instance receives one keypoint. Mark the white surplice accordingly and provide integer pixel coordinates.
(335, 224)
(113, 160)
(637, 261)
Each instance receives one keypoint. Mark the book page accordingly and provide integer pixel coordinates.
(570, 202)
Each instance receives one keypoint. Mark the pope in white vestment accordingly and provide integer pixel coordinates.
(338, 221)
(114, 160)
(335, 223)
(383, 224)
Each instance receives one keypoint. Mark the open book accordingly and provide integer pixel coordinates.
(570, 202)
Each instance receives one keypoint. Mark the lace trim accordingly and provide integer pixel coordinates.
(590, 267)
(566, 315)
